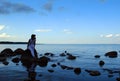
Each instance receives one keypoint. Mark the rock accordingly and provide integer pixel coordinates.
(101, 63)
(97, 56)
(77, 71)
(19, 51)
(63, 66)
(53, 65)
(43, 61)
(71, 57)
(62, 54)
(69, 68)
(2, 58)
(50, 70)
(58, 63)
(16, 60)
(7, 52)
(111, 54)
(49, 54)
(118, 79)
(93, 72)
(110, 75)
(5, 63)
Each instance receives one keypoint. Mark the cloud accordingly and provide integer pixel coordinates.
(117, 35)
(8, 7)
(61, 8)
(67, 31)
(43, 30)
(4, 35)
(110, 35)
(2, 27)
(48, 6)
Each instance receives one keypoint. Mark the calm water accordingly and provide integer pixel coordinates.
(85, 60)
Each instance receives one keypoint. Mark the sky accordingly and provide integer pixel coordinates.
(61, 21)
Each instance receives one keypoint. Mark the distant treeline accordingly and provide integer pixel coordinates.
(8, 42)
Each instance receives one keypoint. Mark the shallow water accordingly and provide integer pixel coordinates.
(85, 60)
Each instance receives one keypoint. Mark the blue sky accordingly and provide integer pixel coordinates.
(61, 21)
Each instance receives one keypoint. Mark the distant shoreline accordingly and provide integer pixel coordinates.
(7, 42)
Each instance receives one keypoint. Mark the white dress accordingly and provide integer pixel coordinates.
(31, 46)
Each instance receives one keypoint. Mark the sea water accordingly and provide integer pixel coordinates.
(85, 60)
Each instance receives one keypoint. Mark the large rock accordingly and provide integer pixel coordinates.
(7, 52)
(112, 54)
(16, 60)
(2, 57)
(43, 61)
(19, 51)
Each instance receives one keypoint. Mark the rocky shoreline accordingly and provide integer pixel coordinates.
(44, 59)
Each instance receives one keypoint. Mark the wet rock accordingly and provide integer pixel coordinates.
(93, 72)
(58, 63)
(43, 61)
(2, 58)
(97, 56)
(101, 63)
(7, 52)
(62, 54)
(112, 54)
(5, 63)
(63, 66)
(71, 57)
(16, 60)
(19, 51)
(49, 54)
(110, 75)
(77, 71)
(118, 79)
(50, 70)
(53, 65)
(69, 68)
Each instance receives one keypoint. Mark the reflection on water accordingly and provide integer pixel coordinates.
(31, 71)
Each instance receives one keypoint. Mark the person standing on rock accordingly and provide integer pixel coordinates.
(31, 46)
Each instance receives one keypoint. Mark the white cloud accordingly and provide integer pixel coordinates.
(67, 31)
(117, 35)
(4, 35)
(109, 35)
(2, 27)
(43, 30)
